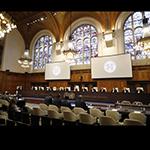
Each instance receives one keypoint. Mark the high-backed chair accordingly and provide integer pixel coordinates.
(43, 106)
(103, 89)
(56, 117)
(132, 122)
(36, 115)
(78, 110)
(115, 90)
(54, 88)
(64, 108)
(76, 88)
(54, 107)
(38, 112)
(70, 116)
(86, 118)
(138, 116)
(95, 89)
(139, 89)
(85, 89)
(126, 90)
(68, 88)
(96, 112)
(53, 114)
(113, 114)
(106, 120)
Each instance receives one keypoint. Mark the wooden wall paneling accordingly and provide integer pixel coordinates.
(58, 84)
(14, 80)
(141, 73)
(109, 84)
(1, 80)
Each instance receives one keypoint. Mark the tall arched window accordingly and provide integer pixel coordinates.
(42, 52)
(133, 32)
(85, 42)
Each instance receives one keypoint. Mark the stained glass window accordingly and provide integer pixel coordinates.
(133, 32)
(42, 52)
(85, 42)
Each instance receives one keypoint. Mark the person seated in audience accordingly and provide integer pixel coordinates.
(12, 108)
(48, 100)
(57, 100)
(79, 102)
(65, 102)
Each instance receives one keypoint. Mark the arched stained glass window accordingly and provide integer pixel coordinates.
(42, 52)
(133, 32)
(85, 42)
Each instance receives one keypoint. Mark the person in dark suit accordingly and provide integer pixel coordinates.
(80, 103)
(57, 100)
(48, 100)
(65, 102)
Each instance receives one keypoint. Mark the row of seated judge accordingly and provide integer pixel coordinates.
(84, 89)
(115, 89)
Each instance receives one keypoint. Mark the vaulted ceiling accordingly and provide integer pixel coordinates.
(57, 22)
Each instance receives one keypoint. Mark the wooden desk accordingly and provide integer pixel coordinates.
(94, 96)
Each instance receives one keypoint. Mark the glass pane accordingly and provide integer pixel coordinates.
(42, 52)
(134, 34)
(85, 42)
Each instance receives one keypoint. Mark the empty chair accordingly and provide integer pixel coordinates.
(132, 122)
(64, 108)
(113, 114)
(78, 110)
(54, 107)
(38, 111)
(106, 120)
(70, 116)
(36, 114)
(86, 118)
(53, 114)
(96, 112)
(43, 106)
(138, 116)
(56, 117)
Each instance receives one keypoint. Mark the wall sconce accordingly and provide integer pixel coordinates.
(108, 37)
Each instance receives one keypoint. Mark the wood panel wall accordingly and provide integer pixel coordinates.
(9, 80)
